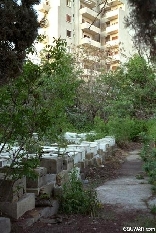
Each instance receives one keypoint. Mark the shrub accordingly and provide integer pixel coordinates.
(100, 126)
(139, 127)
(152, 129)
(121, 128)
(76, 200)
(148, 155)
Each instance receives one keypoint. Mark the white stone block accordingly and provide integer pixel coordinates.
(77, 148)
(103, 146)
(93, 148)
(49, 155)
(86, 146)
(47, 149)
(3, 162)
(98, 143)
(111, 139)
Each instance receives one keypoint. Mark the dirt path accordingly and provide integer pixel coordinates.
(126, 203)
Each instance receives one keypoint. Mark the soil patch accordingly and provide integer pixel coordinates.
(108, 221)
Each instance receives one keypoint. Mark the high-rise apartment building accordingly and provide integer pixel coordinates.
(88, 22)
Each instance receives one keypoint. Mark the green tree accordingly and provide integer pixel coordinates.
(18, 30)
(142, 20)
(132, 89)
(37, 101)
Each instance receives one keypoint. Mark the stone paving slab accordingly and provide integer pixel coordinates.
(129, 196)
(126, 181)
(127, 191)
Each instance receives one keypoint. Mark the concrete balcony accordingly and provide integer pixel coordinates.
(90, 3)
(111, 3)
(110, 15)
(103, 34)
(107, 7)
(112, 29)
(44, 8)
(113, 59)
(88, 41)
(112, 43)
(114, 2)
(104, 19)
(91, 29)
(88, 13)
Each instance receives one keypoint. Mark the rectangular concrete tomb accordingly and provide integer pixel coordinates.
(79, 151)
(40, 180)
(10, 190)
(76, 154)
(17, 209)
(53, 164)
(68, 163)
(3, 162)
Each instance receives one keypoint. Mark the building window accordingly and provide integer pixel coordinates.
(68, 33)
(68, 18)
(68, 3)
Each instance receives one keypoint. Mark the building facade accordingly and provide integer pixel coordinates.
(88, 22)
